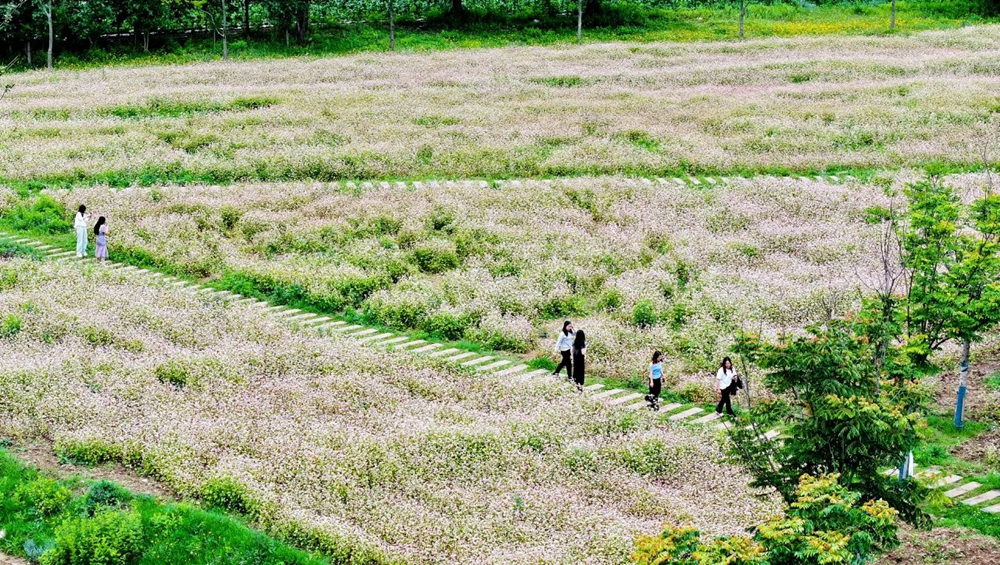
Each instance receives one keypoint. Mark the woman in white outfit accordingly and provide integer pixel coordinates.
(725, 386)
(564, 348)
(80, 224)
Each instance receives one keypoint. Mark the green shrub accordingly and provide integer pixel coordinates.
(448, 324)
(228, 495)
(108, 538)
(644, 314)
(86, 451)
(11, 326)
(173, 372)
(435, 256)
(104, 495)
(43, 496)
(45, 215)
(611, 299)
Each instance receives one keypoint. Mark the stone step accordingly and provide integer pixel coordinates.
(962, 490)
(624, 399)
(926, 473)
(687, 413)
(393, 341)
(301, 317)
(478, 361)
(493, 366)
(593, 387)
(314, 321)
(637, 405)
(444, 352)
(524, 377)
(346, 329)
(287, 313)
(410, 344)
(327, 328)
(426, 348)
(459, 357)
(607, 393)
(707, 418)
(985, 497)
(512, 370)
(995, 509)
(376, 337)
(363, 333)
(945, 481)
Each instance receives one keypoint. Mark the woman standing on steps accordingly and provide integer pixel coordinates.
(101, 231)
(579, 358)
(80, 224)
(725, 386)
(655, 381)
(564, 347)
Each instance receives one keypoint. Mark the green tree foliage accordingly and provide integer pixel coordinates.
(951, 252)
(845, 414)
(823, 524)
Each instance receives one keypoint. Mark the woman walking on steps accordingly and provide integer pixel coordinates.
(80, 224)
(579, 355)
(725, 386)
(564, 347)
(101, 231)
(655, 380)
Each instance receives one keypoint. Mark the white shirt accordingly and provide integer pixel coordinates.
(724, 378)
(79, 221)
(565, 342)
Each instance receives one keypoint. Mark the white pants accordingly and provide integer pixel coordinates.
(81, 241)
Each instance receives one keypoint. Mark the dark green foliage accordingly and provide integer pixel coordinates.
(843, 416)
(823, 524)
(644, 314)
(43, 520)
(162, 108)
(45, 216)
(11, 326)
(10, 249)
(226, 494)
(173, 372)
(435, 256)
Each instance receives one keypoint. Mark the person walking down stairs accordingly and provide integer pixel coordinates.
(655, 381)
(564, 348)
(726, 381)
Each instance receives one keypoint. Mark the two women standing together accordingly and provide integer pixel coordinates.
(572, 347)
(100, 234)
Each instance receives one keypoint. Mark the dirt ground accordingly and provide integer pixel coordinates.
(984, 448)
(41, 455)
(943, 545)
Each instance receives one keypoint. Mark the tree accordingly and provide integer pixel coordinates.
(46, 7)
(952, 255)
(743, 15)
(845, 414)
(823, 524)
(392, 26)
(892, 16)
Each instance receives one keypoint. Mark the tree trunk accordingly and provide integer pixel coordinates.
(48, 16)
(288, 39)
(743, 15)
(28, 49)
(456, 7)
(246, 18)
(225, 32)
(302, 21)
(145, 41)
(579, 21)
(392, 27)
(892, 19)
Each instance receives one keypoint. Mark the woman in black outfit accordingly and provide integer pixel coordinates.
(579, 355)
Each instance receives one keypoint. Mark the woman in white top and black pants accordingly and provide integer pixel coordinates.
(564, 347)
(725, 386)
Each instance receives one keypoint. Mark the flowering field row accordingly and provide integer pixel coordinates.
(805, 104)
(335, 446)
(644, 266)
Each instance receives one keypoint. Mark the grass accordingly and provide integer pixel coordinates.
(80, 521)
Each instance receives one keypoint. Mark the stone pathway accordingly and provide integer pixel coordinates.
(970, 493)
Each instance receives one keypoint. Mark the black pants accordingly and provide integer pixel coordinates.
(567, 361)
(578, 368)
(654, 390)
(726, 400)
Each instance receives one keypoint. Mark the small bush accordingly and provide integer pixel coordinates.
(449, 324)
(173, 372)
(45, 215)
(105, 495)
(227, 494)
(86, 451)
(644, 314)
(108, 538)
(11, 326)
(435, 256)
(43, 496)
